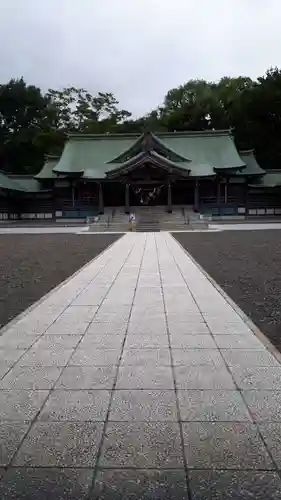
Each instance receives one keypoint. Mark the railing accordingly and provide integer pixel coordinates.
(108, 221)
(185, 216)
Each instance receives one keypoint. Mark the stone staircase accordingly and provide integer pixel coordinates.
(148, 219)
(196, 220)
(113, 220)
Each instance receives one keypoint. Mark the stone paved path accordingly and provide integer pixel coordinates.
(136, 379)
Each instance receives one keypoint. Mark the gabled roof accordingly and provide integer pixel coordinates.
(252, 166)
(27, 182)
(149, 142)
(271, 179)
(47, 170)
(144, 158)
(198, 153)
(19, 183)
(8, 184)
(91, 153)
(213, 148)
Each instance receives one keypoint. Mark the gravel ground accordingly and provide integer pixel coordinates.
(247, 265)
(31, 265)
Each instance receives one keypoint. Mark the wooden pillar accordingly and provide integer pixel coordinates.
(127, 198)
(246, 198)
(72, 193)
(218, 194)
(101, 205)
(9, 204)
(196, 196)
(226, 191)
(53, 200)
(169, 199)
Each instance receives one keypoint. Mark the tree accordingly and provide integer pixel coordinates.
(78, 111)
(262, 107)
(23, 117)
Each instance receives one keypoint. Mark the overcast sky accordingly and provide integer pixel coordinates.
(137, 49)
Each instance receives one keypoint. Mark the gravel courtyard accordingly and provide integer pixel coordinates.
(31, 265)
(247, 265)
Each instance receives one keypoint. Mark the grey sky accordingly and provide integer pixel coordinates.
(138, 49)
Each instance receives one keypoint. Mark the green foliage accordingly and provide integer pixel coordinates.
(33, 124)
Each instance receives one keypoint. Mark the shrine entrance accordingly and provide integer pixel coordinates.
(148, 194)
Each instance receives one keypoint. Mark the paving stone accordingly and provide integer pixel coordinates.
(227, 445)
(112, 311)
(134, 357)
(31, 326)
(180, 329)
(95, 357)
(226, 317)
(146, 341)
(21, 405)
(248, 358)
(264, 406)
(57, 342)
(46, 483)
(147, 327)
(60, 444)
(102, 341)
(87, 377)
(194, 320)
(212, 406)
(31, 377)
(46, 357)
(143, 431)
(147, 311)
(142, 445)
(230, 329)
(257, 377)
(4, 370)
(145, 377)
(67, 328)
(105, 328)
(142, 406)
(11, 435)
(234, 485)
(76, 405)
(203, 377)
(90, 297)
(197, 357)
(271, 433)
(238, 342)
(9, 357)
(17, 341)
(136, 484)
(192, 342)
(78, 314)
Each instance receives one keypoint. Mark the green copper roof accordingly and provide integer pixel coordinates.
(90, 154)
(213, 148)
(21, 183)
(252, 166)
(271, 179)
(27, 183)
(201, 170)
(148, 157)
(8, 184)
(200, 154)
(47, 170)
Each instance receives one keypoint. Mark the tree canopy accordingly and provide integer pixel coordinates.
(33, 123)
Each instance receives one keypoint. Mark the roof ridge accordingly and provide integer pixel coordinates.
(247, 152)
(161, 134)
